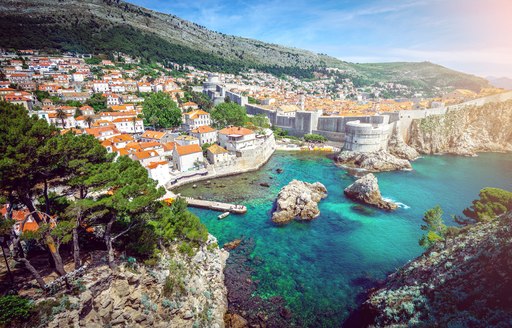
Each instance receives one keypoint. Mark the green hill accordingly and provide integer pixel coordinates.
(103, 26)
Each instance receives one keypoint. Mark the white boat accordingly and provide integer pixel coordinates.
(223, 215)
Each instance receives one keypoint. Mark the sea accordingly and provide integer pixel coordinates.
(323, 268)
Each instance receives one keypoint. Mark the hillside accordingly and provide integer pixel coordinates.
(463, 283)
(95, 26)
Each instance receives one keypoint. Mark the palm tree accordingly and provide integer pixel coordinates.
(61, 114)
(89, 121)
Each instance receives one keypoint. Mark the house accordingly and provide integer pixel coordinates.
(113, 99)
(205, 134)
(123, 108)
(187, 158)
(100, 86)
(159, 171)
(87, 110)
(237, 139)
(216, 154)
(103, 132)
(146, 156)
(129, 125)
(189, 106)
(185, 140)
(194, 119)
(162, 137)
(78, 77)
(144, 87)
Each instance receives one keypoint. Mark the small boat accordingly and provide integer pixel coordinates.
(223, 215)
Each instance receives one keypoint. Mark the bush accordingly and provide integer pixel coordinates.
(14, 308)
(314, 138)
(174, 282)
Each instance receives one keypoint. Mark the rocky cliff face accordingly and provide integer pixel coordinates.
(398, 148)
(463, 283)
(178, 292)
(366, 190)
(298, 200)
(466, 131)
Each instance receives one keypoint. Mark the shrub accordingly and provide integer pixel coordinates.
(14, 308)
(314, 138)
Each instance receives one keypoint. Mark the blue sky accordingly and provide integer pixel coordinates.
(468, 35)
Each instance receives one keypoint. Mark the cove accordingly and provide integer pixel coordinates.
(320, 268)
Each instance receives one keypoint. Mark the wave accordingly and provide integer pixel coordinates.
(400, 204)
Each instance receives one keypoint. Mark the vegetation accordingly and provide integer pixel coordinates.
(125, 205)
(492, 203)
(227, 114)
(160, 111)
(434, 227)
(314, 138)
(14, 308)
(98, 102)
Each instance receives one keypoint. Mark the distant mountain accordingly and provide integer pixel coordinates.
(98, 26)
(501, 82)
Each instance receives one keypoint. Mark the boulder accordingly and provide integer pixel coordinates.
(235, 321)
(377, 161)
(366, 190)
(232, 244)
(298, 200)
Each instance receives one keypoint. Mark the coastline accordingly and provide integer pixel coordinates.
(244, 165)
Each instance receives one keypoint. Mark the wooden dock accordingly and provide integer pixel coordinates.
(216, 206)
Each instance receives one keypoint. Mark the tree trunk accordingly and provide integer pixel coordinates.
(108, 243)
(46, 198)
(20, 257)
(76, 247)
(34, 272)
(54, 251)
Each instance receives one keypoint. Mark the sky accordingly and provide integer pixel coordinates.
(473, 36)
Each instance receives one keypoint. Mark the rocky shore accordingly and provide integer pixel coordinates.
(178, 292)
(463, 282)
(298, 200)
(366, 190)
(377, 161)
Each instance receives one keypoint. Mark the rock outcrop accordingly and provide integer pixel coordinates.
(178, 292)
(298, 200)
(466, 131)
(397, 147)
(464, 282)
(377, 161)
(366, 190)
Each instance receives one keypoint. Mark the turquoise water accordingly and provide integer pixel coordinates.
(320, 267)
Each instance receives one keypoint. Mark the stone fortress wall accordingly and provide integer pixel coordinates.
(358, 132)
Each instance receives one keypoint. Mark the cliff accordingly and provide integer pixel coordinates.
(467, 131)
(465, 282)
(178, 292)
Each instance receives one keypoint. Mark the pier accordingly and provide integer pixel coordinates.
(216, 206)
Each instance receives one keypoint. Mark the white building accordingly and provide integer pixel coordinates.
(100, 86)
(205, 134)
(185, 140)
(217, 155)
(366, 137)
(187, 158)
(129, 125)
(159, 171)
(193, 120)
(237, 139)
